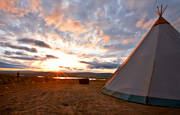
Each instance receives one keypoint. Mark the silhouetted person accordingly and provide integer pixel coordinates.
(18, 74)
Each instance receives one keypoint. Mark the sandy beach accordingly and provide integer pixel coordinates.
(58, 97)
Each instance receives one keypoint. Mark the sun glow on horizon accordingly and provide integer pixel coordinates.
(60, 64)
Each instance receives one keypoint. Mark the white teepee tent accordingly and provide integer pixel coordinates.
(151, 74)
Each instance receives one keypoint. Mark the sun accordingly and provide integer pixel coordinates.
(58, 64)
(51, 65)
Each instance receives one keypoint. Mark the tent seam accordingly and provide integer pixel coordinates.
(153, 66)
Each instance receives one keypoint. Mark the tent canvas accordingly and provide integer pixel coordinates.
(151, 74)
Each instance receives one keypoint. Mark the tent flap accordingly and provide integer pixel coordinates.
(142, 99)
(124, 96)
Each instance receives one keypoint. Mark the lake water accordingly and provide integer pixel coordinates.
(73, 78)
(76, 78)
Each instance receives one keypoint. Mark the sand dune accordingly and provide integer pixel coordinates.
(69, 98)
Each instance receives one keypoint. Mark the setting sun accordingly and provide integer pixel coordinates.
(68, 62)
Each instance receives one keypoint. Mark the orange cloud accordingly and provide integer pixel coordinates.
(55, 18)
(127, 41)
(148, 24)
(140, 23)
(101, 32)
(178, 20)
(3, 25)
(71, 25)
(58, 20)
(144, 25)
(8, 6)
(35, 5)
(177, 23)
(106, 38)
(11, 6)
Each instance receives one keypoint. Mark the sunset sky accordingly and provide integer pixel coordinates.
(75, 35)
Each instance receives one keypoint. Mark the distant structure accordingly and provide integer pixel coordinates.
(84, 81)
(151, 74)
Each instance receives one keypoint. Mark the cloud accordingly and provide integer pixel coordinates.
(20, 8)
(144, 24)
(23, 58)
(125, 45)
(53, 36)
(128, 41)
(70, 68)
(12, 7)
(106, 38)
(51, 57)
(15, 53)
(140, 22)
(101, 65)
(8, 53)
(35, 5)
(133, 4)
(148, 24)
(71, 25)
(56, 17)
(34, 50)
(2, 25)
(177, 23)
(63, 23)
(9, 65)
(101, 32)
(34, 42)
(8, 6)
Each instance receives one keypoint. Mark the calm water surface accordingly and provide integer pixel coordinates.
(73, 78)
